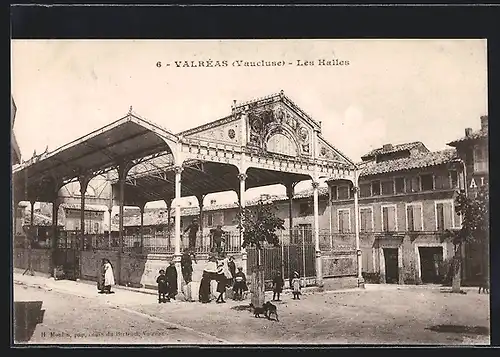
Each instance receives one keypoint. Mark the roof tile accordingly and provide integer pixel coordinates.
(416, 161)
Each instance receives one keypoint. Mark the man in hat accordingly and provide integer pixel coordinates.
(218, 238)
(193, 230)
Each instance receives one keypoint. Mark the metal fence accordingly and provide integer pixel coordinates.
(157, 243)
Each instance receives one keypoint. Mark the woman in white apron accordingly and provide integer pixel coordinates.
(109, 277)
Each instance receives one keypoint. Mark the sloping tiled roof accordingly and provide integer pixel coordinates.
(93, 208)
(416, 161)
(396, 148)
(159, 216)
(38, 219)
(479, 134)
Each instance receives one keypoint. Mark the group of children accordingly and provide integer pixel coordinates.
(279, 282)
(167, 284)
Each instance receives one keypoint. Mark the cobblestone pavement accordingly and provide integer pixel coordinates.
(376, 315)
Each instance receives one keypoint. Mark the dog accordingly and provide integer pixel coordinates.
(484, 284)
(484, 287)
(271, 309)
(267, 310)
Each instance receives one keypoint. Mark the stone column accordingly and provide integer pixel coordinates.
(168, 202)
(122, 175)
(330, 211)
(55, 234)
(289, 193)
(84, 182)
(110, 210)
(319, 270)
(200, 218)
(242, 177)
(141, 232)
(29, 239)
(177, 241)
(361, 281)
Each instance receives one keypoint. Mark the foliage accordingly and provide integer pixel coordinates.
(259, 223)
(475, 217)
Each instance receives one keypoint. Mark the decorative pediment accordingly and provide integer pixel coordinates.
(327, 152)
(223, 131)
(277, 120)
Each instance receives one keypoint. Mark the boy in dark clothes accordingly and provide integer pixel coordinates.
(162, 287)
(278, 284)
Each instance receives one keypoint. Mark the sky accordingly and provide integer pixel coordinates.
(392, 91)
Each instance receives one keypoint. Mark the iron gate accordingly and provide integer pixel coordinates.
(67, 254)
(285, 258)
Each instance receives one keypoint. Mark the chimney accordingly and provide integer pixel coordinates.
(468, 132)
(484, 123)
(387, 147)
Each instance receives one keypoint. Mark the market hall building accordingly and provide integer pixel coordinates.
(262, 142)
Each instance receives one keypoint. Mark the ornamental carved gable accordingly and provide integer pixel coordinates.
(276, 128)
(328, 152)
(224, 133)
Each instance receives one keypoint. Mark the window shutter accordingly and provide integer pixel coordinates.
(448, 216)
(440, 217)
(417, 217)
(410, 219)
(392, 219)
(385, 214)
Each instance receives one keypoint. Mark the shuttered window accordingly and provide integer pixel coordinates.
(412, 184)
(444, 216)
(442, 182)
(414, 217)
(389, 218)
(343, 220)
(400, 185)
(365, 190)
(343, 192)
(365, 217)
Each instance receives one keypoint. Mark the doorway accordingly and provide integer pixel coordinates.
(391, 265)
(431, 259)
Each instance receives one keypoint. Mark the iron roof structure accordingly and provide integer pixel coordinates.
(130, 138)
(209, 164)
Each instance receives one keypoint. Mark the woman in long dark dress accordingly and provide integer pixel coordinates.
(209, 273)
(221, 284)
(204, 294)
(171, 274)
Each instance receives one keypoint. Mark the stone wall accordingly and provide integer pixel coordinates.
(339, 264)
(137, 270)
(40, 259)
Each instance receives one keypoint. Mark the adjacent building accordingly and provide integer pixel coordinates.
(473, 149)
(406, 202)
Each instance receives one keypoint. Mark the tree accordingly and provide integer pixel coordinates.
(259, 224)
(474, 211)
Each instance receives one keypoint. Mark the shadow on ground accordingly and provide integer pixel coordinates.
(475, 330)
(449, 291)
(242, 308)
(27, 314)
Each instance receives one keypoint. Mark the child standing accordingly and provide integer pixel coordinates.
(162, 287)
(296, 286)
(278, 284)
(240, 284)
